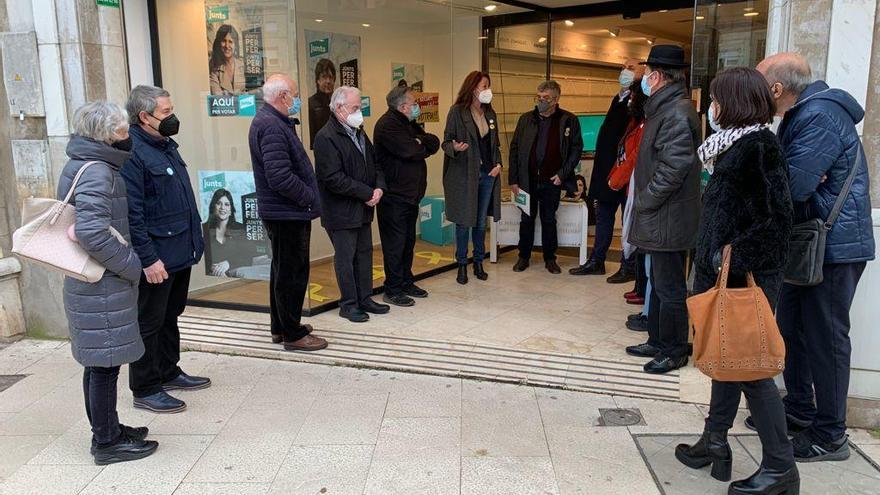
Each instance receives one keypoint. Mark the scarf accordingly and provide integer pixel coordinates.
(720, 142)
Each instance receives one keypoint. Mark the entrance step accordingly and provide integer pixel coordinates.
(460, 359)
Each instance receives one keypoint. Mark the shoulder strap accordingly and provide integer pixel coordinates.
(844, 192)
(76, 178)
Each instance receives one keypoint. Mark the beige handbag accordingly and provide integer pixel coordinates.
(43, 237)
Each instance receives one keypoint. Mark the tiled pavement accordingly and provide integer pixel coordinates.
(278, 427)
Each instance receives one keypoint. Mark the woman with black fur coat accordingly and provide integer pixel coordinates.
(746, 204)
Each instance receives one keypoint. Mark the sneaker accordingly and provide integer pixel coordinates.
(663, 364)
(416, 291)
(138, 433)
(806, 449)
(795, 425)
(398, 300)
(126, 448)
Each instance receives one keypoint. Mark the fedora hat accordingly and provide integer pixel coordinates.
(666, 56)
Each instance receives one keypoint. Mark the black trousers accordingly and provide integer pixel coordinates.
(814, 322)
(353, 262)
(159, 305)
(289, 276)
(544, 202)
(397, 230)
(668, 316)
(99, 392)
(641, 275)
(765, 404)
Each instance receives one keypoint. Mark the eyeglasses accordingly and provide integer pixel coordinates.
(545, 99)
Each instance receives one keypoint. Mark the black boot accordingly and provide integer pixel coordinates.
(462, 277)
(712, 448)
(479, 272)
(768, 482)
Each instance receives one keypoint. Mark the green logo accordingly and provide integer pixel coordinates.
(365, 105)
(213, 182)
(108, 3)
(247, 106)
(398, 73)
(319, 47)
(218, 13)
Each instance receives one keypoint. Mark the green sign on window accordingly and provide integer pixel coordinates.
(108, 3)
(218, 13)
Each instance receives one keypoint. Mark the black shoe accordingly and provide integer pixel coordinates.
(160, 402)
(398, 300)
(371, 306)
(768, 482)
(187, 382)
(462, 277)
(552, 267)
(806, 449)
(479, 272)
(642, 350)
(794, 425)
(621, 277)
(639, 324)
(126, 448)
(712, 448)
(634, 316)
(589, 268)
(663, 364)
(138, 433)
(354, 315)
(415, 291)
(521, 265)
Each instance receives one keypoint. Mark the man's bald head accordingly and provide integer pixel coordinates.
(788, 70)
(277, 87)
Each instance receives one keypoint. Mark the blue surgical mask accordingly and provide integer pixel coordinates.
(626, 78)
(295, 106)
(646, 88)
(711, 117)
(415, 112)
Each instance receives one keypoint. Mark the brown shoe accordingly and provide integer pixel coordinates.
(552, 267)
(277, 339)
(307, 343)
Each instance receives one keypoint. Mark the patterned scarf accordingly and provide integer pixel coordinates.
(719, 143)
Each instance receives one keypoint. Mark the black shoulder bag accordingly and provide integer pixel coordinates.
(806, 249)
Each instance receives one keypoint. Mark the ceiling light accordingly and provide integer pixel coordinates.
(664, 11)
(700, 18)
(542, 39)
(490, 8)
(569, 23)
(651, 41)
(614, 32)
(319, 20)
(366, 25)
(751, 14)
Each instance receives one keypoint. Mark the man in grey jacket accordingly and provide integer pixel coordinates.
(666, 211)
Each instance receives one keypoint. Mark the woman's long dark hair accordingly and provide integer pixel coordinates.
(217, 57)
(213, 220)
(466, 93)
(637, 101)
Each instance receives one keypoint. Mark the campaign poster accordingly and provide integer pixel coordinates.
(412, 75)
(236, 62)
(334, 60)
(429, 104)
(236, 245)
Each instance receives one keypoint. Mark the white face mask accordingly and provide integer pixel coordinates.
(626, 78)
(777, 119)
(355, 119)
(711, 117)
(485, 96)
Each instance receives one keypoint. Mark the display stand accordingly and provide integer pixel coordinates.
(572, 220)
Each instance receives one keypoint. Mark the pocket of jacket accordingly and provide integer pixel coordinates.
(170, 229)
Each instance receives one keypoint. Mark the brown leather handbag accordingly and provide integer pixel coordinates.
(735, 334)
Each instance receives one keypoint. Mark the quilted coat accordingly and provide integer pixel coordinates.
(820, 140)
(102, 316)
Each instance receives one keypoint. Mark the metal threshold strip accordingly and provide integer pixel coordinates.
(462, 359)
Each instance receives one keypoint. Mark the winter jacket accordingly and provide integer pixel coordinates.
(666, 209)
(571, 144)
(162, 208)
(461, 169)
(820, 139)
(102, 316)
(610, 133)
(283, 175)
(346, 177)
(401, 149)
(747, 204)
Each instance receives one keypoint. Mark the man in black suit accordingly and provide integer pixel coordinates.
(610, 134)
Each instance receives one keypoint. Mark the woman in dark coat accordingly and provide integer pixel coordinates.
(470, 170)
(747, 205)
(102, 316)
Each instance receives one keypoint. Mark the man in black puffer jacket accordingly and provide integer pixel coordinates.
(666, 211)
(287, 197)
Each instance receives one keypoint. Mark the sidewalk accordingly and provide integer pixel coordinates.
(269, 427)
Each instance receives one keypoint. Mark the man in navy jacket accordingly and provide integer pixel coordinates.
(287, 197)
(818, 134)
(166, 233)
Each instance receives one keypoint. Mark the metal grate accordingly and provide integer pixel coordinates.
(620, 417)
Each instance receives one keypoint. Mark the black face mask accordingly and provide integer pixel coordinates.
(124, 145)
(168, 126)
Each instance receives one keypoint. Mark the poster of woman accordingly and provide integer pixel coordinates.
(235, 48)
(226, 66)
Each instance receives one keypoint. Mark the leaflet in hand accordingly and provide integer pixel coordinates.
(523, 201)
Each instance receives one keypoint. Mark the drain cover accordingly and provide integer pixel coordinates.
(7, 381)
(620, 417)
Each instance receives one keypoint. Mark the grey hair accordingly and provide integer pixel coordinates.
(275, 86)
(143, 99)
(340, 94)
(100, 120)
(551, 86)
(397, 96)
(794, 77)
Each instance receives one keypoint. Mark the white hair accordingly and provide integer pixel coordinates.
(274, 86)
(341, 94)
(100, 120)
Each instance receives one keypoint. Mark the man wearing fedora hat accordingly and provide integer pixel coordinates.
(666, 209)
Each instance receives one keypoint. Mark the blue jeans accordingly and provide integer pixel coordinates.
(478, 231)
(648, 289)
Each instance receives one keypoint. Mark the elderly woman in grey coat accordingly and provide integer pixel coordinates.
(470, 170)
(102, 316)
